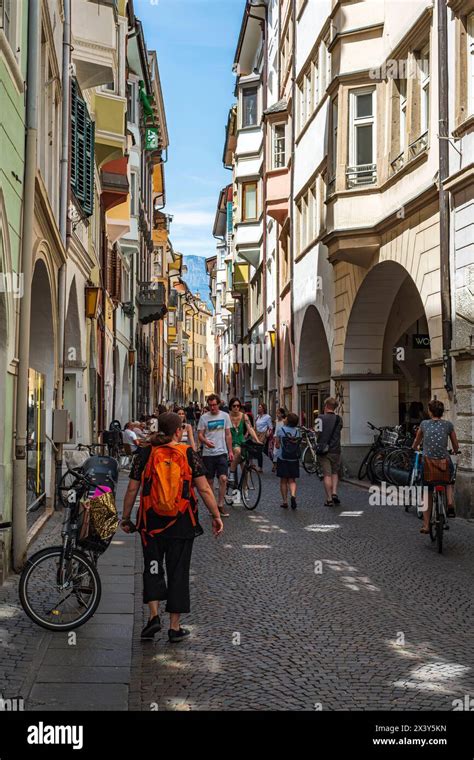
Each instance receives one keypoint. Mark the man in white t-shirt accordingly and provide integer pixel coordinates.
(214, 434)
(129, 437)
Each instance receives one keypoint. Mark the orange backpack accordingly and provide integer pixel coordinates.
(166, 484)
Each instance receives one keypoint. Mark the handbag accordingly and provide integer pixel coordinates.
(99, 521)
(436, 470)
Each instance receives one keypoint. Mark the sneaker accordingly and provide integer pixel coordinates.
(236, 497)
(293, 502)
(152, 627)
(175, 636)
(223, 513)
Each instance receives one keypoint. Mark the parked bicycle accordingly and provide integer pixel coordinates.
(387, 440)
(309, 457)
(249, 485)
(60, 586)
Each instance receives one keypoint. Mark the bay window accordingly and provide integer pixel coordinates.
(279, 147)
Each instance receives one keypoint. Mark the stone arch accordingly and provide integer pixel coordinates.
(314, 361)
(72, 329)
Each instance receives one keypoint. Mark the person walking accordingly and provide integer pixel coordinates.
(287, 445)
(188, 435)
(214, 433)
(328, 449)
(167, 472)
(433, 436)
(264, 428)
(190, 414)
(280, 421)
(197, 413)
(240, 430)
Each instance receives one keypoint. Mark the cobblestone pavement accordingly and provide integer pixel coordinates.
(332, 609)
(386, 624)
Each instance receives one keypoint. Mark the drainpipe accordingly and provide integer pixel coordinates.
(264, 194)
(443, 194)
(20, 461)
(63, 216)
(292, 185)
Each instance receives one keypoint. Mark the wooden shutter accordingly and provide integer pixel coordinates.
(82, 152)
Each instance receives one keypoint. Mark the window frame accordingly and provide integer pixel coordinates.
(470, 62)
(425, 87)
(244, 216)
(244, 90)
(274, 149)
(355, 122)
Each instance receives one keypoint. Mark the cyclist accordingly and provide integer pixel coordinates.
(240, 430)
(433, 435)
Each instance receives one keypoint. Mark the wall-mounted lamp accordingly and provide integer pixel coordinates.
(131, 357)
(92, 301)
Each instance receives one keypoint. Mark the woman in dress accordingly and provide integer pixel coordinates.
(240, 430)
(187, 436)
(288, 464)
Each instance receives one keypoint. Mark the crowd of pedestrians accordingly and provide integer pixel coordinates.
(176, 452)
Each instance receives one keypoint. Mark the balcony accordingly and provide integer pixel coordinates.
(362, 175)
(151, 301)
(110, 141)
(278, 192)
(94, 42)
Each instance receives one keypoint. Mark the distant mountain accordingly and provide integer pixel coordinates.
(197, 278)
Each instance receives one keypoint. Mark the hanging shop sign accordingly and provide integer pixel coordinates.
(151, 138)
(420, 340)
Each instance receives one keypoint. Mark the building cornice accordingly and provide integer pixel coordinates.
(461, 179)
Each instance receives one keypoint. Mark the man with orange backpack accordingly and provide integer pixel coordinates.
(167, 472)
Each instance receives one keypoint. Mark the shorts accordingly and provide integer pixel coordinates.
(330, 463)
(217, 465)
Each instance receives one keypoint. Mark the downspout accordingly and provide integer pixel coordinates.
(443, 135)
(63, 217)
(264, 198)
(292, 182)
(278, 253)
(21, 422)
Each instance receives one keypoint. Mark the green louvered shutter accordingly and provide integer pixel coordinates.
(73, 136)
(82, 152)
(89, 167)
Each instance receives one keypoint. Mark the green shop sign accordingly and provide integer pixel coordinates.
(151, 138)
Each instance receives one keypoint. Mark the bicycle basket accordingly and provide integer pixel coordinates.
(98, 521)
(390, 437)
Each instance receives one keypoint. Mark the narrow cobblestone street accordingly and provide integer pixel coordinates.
(384, 622)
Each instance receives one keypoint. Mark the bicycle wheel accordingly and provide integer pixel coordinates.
(54, 603)
(364, 464)
(309, 460)
(397, 466)
(440, 515)
(375, 466)
(251, 487)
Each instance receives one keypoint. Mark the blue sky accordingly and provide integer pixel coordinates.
(195, 41)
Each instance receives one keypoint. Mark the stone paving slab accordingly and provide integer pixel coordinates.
(83, 696)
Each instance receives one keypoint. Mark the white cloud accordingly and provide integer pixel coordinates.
(193, 219)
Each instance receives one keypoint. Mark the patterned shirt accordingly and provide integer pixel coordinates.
(435, 437)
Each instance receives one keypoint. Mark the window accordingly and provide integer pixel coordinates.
(82, 152)
(425, 89)
(249, 106)
(470, 62)
(278, 152)
(7, 21)
(133, 194)
(249, 201)
(158, 262)
(131, 102)
(362, 168)
(402, 91)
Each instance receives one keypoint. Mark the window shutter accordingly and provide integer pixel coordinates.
(88, 206)
(74, 136)
(82, 152)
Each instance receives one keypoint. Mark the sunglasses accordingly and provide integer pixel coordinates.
(236, 405)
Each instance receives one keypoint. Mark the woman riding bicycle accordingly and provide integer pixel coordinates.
(240, 429)
(433, 435)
